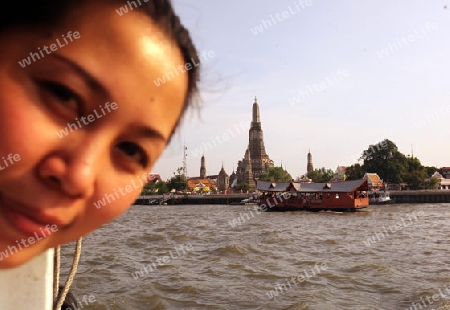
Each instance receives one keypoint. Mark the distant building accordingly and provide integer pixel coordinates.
(153, 178)
(340, 171)
(223, 180)
(339, 174)
(309, 165)
(203, 182)
(255, 161)
(303, 179)
(233, 179)
(202, 168)
(446, 172)
(374, 181)
(444, 183)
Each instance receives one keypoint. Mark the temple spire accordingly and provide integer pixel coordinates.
(309, 166)
(202, 168)
(256, 112)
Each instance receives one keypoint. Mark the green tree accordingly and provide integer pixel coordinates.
(321, 175)
(392, 166)
(430, 170)
(385, 160)
(244, 187)
(276, 174)
(415, 174)
(161, 188)
(178, 181)
(354, 172)
(432, 183)
(148, 189)
(415, 179)
(156, 188)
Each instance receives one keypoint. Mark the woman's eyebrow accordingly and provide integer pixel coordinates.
(91, 81)
(95, 85)
(148, 132)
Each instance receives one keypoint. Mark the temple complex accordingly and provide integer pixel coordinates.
(255, 161)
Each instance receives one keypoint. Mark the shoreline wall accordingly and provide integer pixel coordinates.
(232, 199)
(437, 196)
(425, 196)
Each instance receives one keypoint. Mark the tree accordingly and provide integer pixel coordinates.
(148, 189)
(384, 159)
(156, 188)
(321, 175)
(392, 166)
(415, 179)
(161, 188)
(244, 187)
(354, 172)
(430, 170)
(432, 183)
(178, 181)
(275, 174)
(415, 174)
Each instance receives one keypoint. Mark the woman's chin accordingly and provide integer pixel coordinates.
(13, 261)
(10, 259)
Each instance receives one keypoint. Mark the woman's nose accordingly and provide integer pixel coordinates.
(73, 174)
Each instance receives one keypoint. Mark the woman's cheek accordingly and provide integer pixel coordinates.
(111, 204)
(20, 120)
(20, 139)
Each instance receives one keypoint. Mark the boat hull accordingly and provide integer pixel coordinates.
(381, 202)
(282, 205)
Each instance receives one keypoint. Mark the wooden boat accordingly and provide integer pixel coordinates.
(337, 196)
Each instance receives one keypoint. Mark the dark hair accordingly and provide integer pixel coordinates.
(52, 12)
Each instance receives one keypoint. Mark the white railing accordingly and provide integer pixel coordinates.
(29, 286)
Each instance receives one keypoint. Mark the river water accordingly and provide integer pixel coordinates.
(384, 257)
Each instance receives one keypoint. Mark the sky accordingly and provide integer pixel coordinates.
(332, 77)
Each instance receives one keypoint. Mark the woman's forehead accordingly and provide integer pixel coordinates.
(128, 55)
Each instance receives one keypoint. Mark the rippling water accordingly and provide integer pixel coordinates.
(405, 264)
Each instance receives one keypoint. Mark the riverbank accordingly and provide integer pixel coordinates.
(170, 199)
(424, 196)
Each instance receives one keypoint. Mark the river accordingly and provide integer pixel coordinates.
(191, 257)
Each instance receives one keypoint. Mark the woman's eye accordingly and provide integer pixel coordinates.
(63, 95)
(135, 152)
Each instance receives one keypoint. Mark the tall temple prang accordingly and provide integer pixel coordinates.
(202, 168)
(309, 166)
(256, 161)
(203, 181)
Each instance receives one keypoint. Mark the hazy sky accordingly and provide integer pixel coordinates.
(330, 76)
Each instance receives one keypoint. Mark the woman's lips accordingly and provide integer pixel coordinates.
(27, 220)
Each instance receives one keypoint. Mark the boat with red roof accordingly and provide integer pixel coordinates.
(336, 196)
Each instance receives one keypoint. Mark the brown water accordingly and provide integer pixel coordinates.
(223, 267)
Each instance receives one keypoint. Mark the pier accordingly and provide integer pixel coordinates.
(170, 199)
(423, 196)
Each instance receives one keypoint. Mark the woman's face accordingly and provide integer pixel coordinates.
(81, 126)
